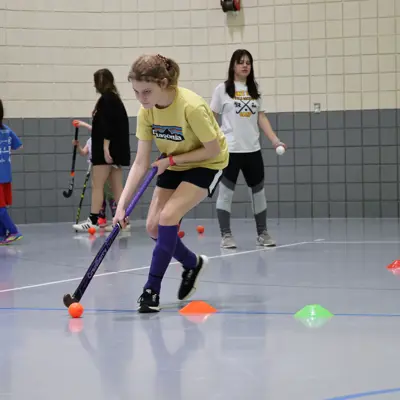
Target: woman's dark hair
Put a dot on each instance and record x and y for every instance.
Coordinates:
(104, 81)
(1, 114)
(252, 86)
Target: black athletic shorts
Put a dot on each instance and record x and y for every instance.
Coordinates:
(205, 178)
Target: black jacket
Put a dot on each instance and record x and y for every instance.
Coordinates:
(110, 121)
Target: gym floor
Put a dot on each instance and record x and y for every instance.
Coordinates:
(253, 347)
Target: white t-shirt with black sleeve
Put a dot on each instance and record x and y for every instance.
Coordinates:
(239, 118)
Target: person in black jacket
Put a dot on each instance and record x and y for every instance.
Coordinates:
(110, 145)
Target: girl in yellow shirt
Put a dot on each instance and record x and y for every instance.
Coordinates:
(184, 128)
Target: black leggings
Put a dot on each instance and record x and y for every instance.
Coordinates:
(252, 166)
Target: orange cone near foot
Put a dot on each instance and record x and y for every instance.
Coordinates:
(394, 265)
(198, 307)
(197, 311)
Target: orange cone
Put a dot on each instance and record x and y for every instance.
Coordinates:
(394, 265)
(197, 311)
(198, 307)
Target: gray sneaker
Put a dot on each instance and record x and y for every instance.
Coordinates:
(265, 240)
(228, 242)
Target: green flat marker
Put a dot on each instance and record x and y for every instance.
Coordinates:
(313, 316)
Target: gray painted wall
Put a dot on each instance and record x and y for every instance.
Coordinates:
(338, 164)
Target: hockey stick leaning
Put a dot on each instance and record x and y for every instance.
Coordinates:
(80, 290)
(68, 193)
(78, 214)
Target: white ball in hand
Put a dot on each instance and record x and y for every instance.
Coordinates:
(280, 150)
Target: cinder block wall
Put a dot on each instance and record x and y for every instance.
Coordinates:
(340, 54)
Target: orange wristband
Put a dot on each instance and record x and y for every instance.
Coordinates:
(171, 161)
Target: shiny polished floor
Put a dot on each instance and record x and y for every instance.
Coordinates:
(253, 347)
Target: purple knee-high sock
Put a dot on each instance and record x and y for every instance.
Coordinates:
(182, 254)
(162, 254)
(186, 257)
(7, 221)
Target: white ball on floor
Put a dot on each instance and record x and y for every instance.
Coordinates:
(280, 150)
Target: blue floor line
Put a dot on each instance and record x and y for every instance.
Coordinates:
(234, 312)
(227, 312)
(365, 394)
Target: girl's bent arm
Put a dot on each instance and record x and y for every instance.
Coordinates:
(85, 125)
(137, 172)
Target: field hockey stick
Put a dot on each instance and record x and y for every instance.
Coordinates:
(68, 193)
(78, 214)
(80, 290)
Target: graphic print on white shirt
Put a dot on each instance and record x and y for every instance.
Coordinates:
(245, 106)
(239, 118)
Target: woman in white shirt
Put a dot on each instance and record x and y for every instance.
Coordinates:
(239, 103)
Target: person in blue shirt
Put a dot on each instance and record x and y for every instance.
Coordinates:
(8, 141)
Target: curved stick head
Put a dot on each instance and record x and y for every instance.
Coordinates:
(68, 300)
(67, 194)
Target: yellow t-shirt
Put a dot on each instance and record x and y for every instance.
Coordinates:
(183, 127)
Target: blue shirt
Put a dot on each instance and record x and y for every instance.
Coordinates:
(8, 141)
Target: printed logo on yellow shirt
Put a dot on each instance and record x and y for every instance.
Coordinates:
(172, 133)
(244, 104)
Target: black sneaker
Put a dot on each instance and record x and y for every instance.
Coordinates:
(190, 277)
(149, 302)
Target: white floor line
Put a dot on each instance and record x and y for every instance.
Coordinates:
(148, 266)
(359, 242)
